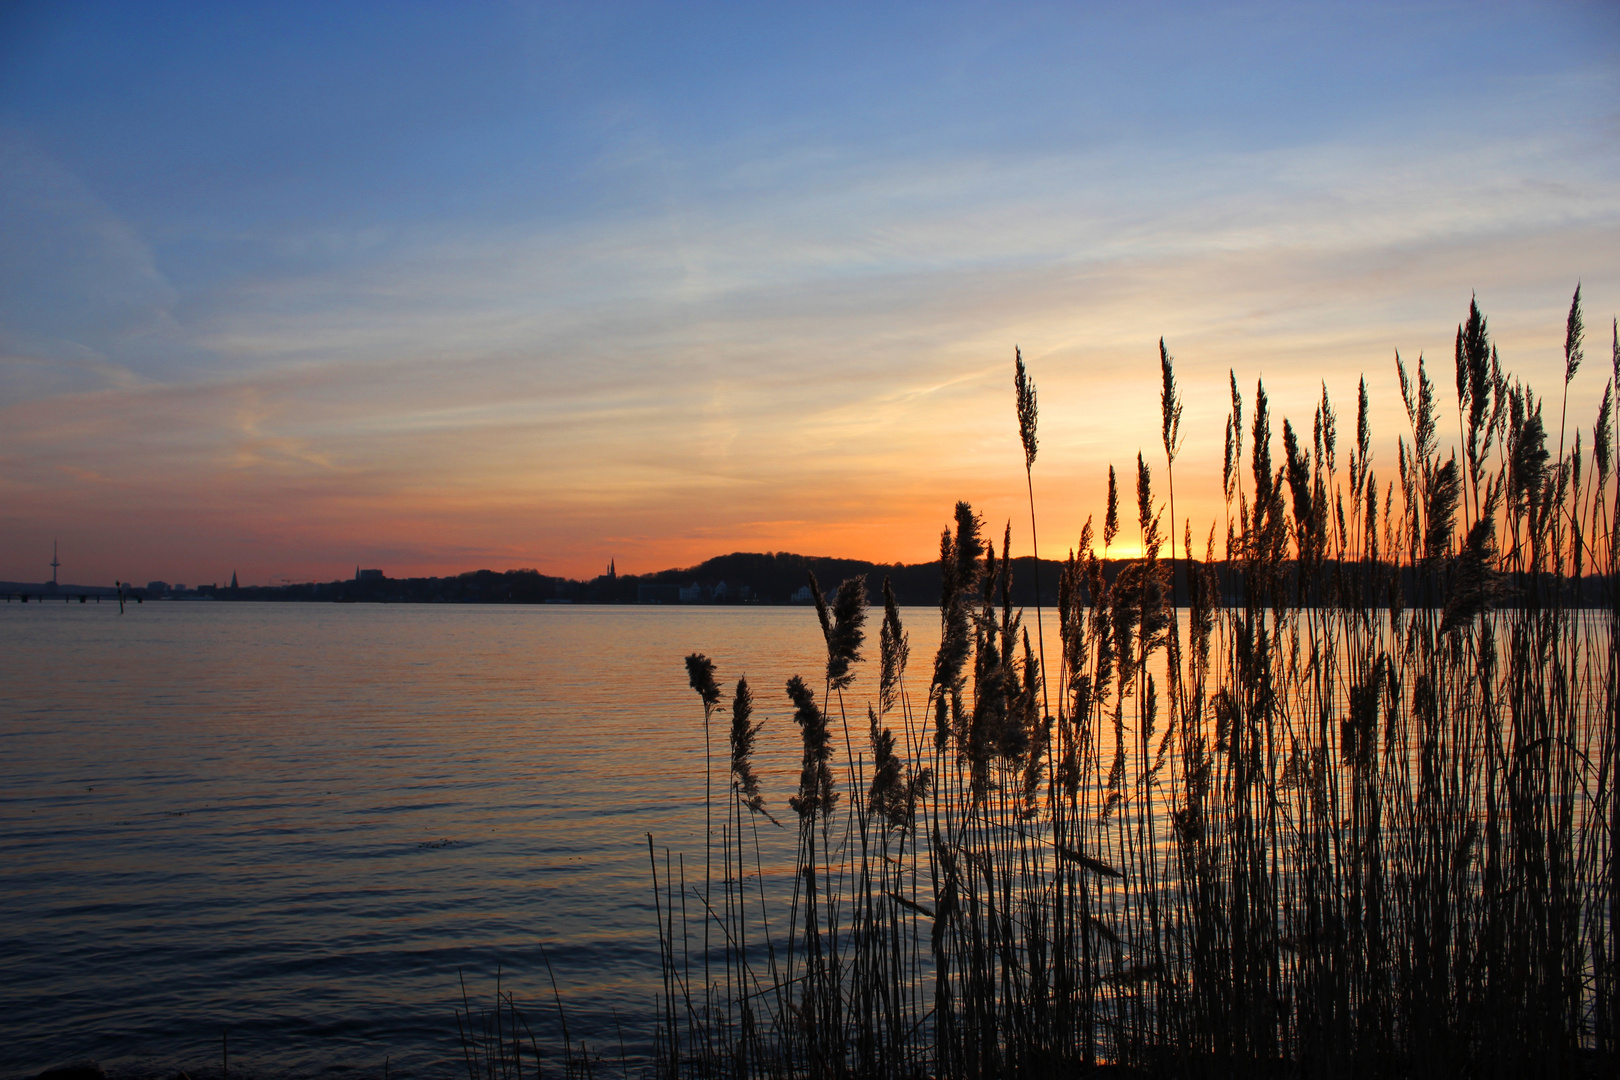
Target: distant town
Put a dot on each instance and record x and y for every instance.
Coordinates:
(739, 578)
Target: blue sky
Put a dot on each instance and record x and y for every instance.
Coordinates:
(442, 286)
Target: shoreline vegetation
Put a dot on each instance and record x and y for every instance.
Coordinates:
(1352, 814)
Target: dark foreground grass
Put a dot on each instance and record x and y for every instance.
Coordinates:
(1350, 813)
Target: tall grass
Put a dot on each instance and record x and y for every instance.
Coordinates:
(1349, 812)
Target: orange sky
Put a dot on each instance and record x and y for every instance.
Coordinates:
(260, 478)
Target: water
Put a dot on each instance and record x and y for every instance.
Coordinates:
(299, 822)
(302, 823)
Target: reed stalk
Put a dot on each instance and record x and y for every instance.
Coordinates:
(1350, 812)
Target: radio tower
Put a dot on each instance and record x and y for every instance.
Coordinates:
(54, 562)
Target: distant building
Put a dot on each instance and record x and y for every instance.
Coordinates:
(157, 588)
(720, 593)
(367, 575)
(692, 594)
(802, 596)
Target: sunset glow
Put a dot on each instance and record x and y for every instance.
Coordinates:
(439, 288)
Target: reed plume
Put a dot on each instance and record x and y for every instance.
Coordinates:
(959, 569)
(893, 796)
(894, 650)
(743, 733)
(1111, 513)
(700, 673)
(842, 625)
(817, 791)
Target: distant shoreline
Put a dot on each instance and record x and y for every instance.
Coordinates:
(765, 579)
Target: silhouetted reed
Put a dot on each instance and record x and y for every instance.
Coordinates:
(493, 1040)
(1349, 812)
(1028, 418)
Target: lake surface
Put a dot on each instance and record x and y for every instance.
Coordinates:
(300, 822)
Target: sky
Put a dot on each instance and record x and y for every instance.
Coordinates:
(291, 288)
